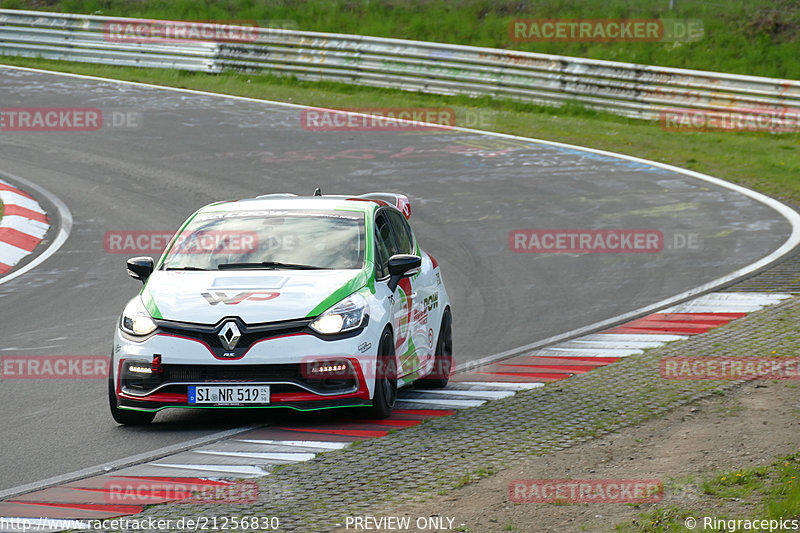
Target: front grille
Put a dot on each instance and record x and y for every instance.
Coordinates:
(290, 373)
(250, 333)
(230, 372)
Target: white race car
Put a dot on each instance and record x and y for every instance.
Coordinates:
(283, 301)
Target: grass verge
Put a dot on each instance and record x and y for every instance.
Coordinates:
(769, 493)
(766, 162)
(758, 37)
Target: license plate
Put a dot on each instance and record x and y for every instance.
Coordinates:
(229, 395)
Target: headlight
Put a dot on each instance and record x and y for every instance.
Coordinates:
(347, 315)
(136, 320)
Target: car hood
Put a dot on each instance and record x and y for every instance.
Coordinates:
(255, 297)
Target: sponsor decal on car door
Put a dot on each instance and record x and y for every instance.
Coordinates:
(403, 326)
(425, 323)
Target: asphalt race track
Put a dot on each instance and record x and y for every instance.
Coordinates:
(468, 192)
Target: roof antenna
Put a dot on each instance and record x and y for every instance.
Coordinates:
(317, 192)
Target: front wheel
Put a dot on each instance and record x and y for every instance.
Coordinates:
(385, 379)
(124, 416)
(443, 359)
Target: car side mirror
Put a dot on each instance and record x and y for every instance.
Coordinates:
(402, 266)
(140, 268)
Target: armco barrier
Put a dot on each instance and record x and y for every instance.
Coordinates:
(639, 91)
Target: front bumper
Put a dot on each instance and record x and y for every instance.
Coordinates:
(156, 373)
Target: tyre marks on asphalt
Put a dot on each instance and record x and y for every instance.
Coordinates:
(255, 453)
(22, 227)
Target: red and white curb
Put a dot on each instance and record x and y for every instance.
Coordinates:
(22, 227)
(583, 354)
(254, 453)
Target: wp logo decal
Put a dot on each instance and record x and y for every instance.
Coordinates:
(222, 297)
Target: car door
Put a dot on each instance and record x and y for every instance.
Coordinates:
(418, 292)
(402, 300)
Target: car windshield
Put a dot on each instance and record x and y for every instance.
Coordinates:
(270, 240)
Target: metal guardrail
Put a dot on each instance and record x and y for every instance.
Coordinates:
(639, 91)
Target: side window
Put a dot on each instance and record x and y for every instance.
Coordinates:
(384, 246)
(402, 232)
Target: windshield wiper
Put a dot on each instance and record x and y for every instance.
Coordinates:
(270, 265)
(185, 268)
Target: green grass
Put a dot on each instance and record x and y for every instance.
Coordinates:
(471, 477)
(659, 520)
(759, 37)
(767, 162)
(767, 493)
(740, 484)
(755, 37)
(783, 497)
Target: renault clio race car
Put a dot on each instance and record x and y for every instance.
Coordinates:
(283, 301)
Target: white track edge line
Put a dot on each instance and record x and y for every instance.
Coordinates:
(133, 460)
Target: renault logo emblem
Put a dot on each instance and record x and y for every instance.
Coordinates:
(229, 335)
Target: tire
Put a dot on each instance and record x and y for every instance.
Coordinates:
(443, 359)
(124, 416)
(385, 379)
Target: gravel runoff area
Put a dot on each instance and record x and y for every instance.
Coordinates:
(421, 462)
